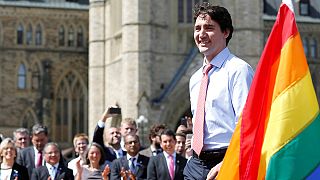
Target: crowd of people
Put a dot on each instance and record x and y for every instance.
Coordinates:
(113, 153)
(218, 91)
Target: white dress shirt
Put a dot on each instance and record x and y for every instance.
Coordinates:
(229, 83)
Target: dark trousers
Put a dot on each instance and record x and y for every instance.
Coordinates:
(197, 169)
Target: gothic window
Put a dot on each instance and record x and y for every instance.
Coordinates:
(20, 34)
(80, 37)
(36, 80)
(189, 11)
(185, 10)
(61, 36)
(22, 76)
(180, 11)
(71, 37)
(71, 108)
(304, 7)
(38, 35)
(305, 42)
(29, 34)
(313, 48)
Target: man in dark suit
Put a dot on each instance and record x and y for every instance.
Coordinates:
(52, 168)
(112, 137)
(168, 164)
(32, 156)
(133, 161)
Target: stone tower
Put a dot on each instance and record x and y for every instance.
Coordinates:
(141, 52)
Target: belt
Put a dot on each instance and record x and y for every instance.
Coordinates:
(211, 154)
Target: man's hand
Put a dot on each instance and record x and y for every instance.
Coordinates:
(214, 172)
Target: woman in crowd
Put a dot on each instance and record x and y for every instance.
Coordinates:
(95, 167)
(80, 142)
(9, 169)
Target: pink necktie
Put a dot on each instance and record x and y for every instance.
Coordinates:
(171, 167)
(197, 143)
(39, 162)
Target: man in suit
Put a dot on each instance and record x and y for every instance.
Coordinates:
(112, 137)
(168, 164)
(32, 156)
(154, 137)
(52, 169)
(133, 161)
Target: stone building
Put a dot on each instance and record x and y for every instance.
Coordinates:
(44, 66)
(141, 56)
(142, 53)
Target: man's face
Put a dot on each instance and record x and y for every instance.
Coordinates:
(132, 144)
(156, 141)
(181, 144)
(22, 140)
(39, 140)
(168, 143)
(127, 129)
(52, 155)
(81, 146)
(113, 136)
(208, 36)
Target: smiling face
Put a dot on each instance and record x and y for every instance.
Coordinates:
(94, 156)
(113, 136)
(168, 143)
(208, 36)
(81, 146)
(8, 152)
(52, 154)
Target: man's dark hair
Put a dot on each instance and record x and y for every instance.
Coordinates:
(38, 128)
(218, 14)
(156, 130)
(168, 132)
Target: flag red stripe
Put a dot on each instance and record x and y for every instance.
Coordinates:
(256, 111)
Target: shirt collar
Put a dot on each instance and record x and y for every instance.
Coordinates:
(36, 150)
(129, 157)
(219, 59)
(55, 165)
(167, 155)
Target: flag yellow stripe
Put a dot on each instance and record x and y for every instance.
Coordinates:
(294, 108)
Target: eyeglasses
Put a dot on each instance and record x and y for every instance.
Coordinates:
(130, 142)
(52, 153)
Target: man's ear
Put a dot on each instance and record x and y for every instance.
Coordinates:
(226, 33)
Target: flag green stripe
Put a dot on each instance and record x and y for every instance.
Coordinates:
(299, 157)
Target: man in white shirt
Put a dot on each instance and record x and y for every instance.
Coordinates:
(218, 91)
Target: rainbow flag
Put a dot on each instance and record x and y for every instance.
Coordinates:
(278, 134)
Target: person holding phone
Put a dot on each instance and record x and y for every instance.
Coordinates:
(112, 135)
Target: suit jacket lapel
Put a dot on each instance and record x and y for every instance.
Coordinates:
(32, 157)
(124, 162)
(139, 167)
(164, 162)
(177, 164)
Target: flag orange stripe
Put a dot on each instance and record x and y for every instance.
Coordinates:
(293, 65)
